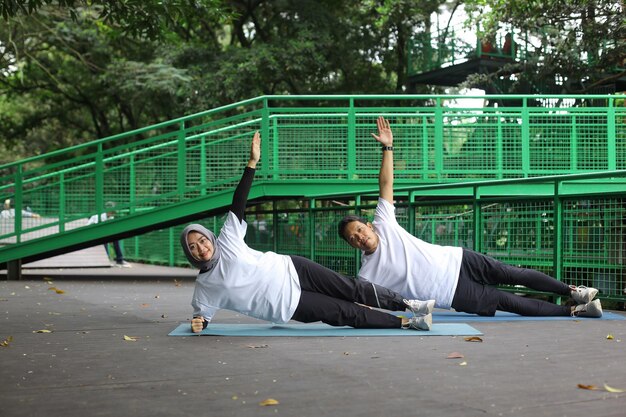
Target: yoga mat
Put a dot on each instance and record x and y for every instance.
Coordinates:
(453, 316)
(320, 330)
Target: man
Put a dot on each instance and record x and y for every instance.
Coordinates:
(9, 213)
(455, 277)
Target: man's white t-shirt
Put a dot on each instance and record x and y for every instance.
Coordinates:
(408, 265)
(264, 285)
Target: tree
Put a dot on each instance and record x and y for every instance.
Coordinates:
(75, 73)
(576, 45)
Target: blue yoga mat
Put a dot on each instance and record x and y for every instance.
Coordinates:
(320, 330)
(453, 316)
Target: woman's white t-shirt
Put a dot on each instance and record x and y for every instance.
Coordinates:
(408, 265)
(263, 285)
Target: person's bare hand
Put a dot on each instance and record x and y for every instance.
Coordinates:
(385, 136)
(196, 324)
(255, 149)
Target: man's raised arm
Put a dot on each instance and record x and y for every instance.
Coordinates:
(385, 177)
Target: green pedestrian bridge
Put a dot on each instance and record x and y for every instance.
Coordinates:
(536, 181)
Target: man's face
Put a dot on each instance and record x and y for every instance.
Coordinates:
(361, 236)
(200, 246)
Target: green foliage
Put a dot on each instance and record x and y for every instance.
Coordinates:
(75, 71)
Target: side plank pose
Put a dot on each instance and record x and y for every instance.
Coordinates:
(455, 277)
(279, 288)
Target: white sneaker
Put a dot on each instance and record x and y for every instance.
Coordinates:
(420, 322)
(123, 264)
(420, 308)
(582, 294)
(591, 309)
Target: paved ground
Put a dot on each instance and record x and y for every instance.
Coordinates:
(84, 367)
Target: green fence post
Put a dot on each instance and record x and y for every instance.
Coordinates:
(438, 138)
(266, 142)
(132, 194)
(99, 180)
(351, 141)
(558, 238)
(611, 135)
(17, 201)
(203, 168)
(62, 202)
(573, 149)
(181, 162)
(424, 147)
(478, 227)
(171, 245)
(525, 138)
(499, 148)
(311, 229)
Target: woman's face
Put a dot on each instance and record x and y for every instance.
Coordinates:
(200, 246)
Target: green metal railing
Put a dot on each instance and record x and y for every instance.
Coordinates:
(571, 227)
(313, 145)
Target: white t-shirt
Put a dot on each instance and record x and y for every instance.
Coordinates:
(413, 268)
(264, 285)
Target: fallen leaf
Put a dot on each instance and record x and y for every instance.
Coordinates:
(611, 389)
(610, 336)
(130, 338)
(177, 283)
(589, 387)
(6, 342)
(473, 339)
(257, 346)
(42, 331)
(269, 401)
(455, 355)
(463, 363)
(55, 289)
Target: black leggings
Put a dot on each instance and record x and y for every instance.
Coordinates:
(475, 292)
(331, 298)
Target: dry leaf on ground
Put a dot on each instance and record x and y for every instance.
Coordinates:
(6, 342)
(588, 387)
(42, 331)
(611, 389)
(455, 355)
(473, 339)
(269, 401)
(130, 338)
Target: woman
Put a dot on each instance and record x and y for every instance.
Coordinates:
(279, 288)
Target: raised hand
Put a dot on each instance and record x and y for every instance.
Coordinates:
(385, 136)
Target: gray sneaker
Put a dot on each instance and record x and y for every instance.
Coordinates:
(420, 308)
(591, 309)
(582, 294)
(420, 322)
